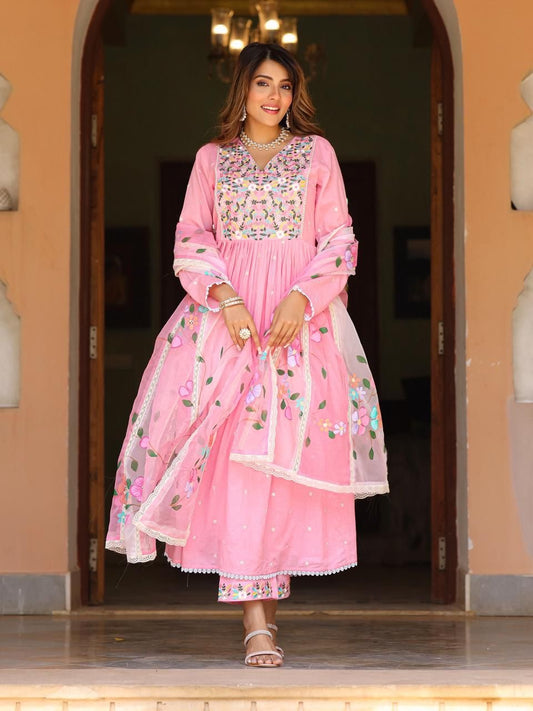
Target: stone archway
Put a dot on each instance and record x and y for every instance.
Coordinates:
(89, 16)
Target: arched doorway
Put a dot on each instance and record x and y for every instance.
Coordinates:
(443, 464)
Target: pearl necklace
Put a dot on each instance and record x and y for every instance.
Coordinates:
(284, 134)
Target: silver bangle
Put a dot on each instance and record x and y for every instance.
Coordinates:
(233, 301)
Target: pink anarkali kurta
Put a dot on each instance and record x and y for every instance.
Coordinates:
(247, 464)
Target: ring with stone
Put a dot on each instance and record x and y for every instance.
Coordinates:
(245, 333)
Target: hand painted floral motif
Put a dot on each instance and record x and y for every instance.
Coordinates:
(293, 357)
(300, 402)
(268, 205)
(360, 420)
(137, 488)
(253, 393)
(188, 320)
(350, 256)
(317, 333)
(192, 321)
(339, 428)
(325, 424)
(286, 397)
(186, 389)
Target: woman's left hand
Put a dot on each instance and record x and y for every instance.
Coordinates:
(288, 320)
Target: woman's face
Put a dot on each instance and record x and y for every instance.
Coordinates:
(269, 94)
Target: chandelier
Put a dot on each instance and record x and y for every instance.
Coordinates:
(229, 35)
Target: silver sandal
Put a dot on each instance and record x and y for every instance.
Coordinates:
(271, 626)
(266, 652)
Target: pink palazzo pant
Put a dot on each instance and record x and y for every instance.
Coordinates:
(256, 530)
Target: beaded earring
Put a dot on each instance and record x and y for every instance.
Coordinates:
(287, 124)
(243, 117)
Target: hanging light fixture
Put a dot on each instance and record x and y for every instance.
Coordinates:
(230, 35)
(289, 34)
(220, 27)
(239, 34)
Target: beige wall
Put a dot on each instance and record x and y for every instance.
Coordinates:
(37, 466)
(36, 41)
(498, 255)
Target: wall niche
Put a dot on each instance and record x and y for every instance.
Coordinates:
(523, 343)
(9, 352)
(522, 153)
(9, 155)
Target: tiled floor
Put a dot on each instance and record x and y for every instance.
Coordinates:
(364, 640)
(120, 660)
(311, 642)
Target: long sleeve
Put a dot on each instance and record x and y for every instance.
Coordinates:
(327, 273)
(197, 260)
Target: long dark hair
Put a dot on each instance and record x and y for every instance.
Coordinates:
(302, 109)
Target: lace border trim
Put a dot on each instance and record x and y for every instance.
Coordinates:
(267, 576)
(358, 491)
(120, 547)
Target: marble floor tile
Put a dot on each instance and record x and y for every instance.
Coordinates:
(311, 642)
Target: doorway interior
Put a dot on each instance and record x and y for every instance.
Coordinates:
(380, 98)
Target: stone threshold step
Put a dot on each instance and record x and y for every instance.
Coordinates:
(215, 613)
(265, 690)
(268, 705)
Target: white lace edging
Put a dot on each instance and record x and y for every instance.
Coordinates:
(371, 490)
(196, 369)
(219, 281)
(267, 576)
(291, 475)
(120, 547)
(140, 526)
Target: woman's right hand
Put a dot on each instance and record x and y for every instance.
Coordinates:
(237, 317)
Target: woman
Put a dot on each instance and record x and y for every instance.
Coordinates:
(257, 419)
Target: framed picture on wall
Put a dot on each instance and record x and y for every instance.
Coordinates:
(412, 272)
(127, 277)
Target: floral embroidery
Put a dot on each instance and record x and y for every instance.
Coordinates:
(253, 590)
(268, 205)
(284, 590)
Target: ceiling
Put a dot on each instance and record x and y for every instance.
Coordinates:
(287, 7)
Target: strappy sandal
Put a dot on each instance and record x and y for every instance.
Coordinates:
(264, 653)
(271, 626)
